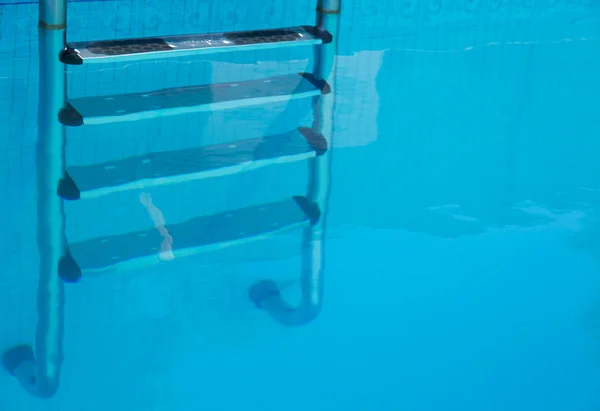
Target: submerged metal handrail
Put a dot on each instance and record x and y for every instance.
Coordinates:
(329, 6)
(266, 294)
(38, 370)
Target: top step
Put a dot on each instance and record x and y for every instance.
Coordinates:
(194, 44)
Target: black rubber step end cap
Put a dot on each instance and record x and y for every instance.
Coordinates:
(318, 83)
(14, 357)
(70, 56)
(310, 208)
(70, 117)
(325, 36)
(68, 269)
(262, 291)
(316, 140)
(67, 189)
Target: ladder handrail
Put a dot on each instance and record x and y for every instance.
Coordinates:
(53, 15)
(52, 244)
(329, 6)
(38, 371)
(266, 294)
(311, 278)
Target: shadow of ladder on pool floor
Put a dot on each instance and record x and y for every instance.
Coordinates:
(38, 369)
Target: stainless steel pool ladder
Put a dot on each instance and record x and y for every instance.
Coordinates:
(38, 369)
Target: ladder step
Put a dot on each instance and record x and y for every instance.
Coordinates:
(173, 101)
(177, 46)
(171, 167)
(135, 249)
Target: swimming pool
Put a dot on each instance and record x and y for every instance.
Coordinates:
(460, 255)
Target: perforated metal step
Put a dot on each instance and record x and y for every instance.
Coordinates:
(177, 46)
(132, 250)
(171, 167)
(174, 101)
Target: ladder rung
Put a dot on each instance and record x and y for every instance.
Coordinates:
(173, 101)
(170, 167)
(177, 46)
(135, 249)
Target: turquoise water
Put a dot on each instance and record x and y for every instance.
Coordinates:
(462, 250)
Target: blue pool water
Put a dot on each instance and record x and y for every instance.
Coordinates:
(462, 256)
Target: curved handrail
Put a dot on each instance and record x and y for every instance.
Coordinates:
(39, 371)
(266, 294)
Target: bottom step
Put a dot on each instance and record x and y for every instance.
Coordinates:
(137, 249)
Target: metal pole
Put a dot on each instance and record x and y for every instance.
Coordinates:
(329, 6)
(38, 370)
(266, 294)
(53, 15)
(51, 216)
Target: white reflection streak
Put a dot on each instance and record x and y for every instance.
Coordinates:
(166, 246)
(495, 43)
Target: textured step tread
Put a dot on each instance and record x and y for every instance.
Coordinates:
(176, 46)
(190, 237)
(170, 167)
(173, 101)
